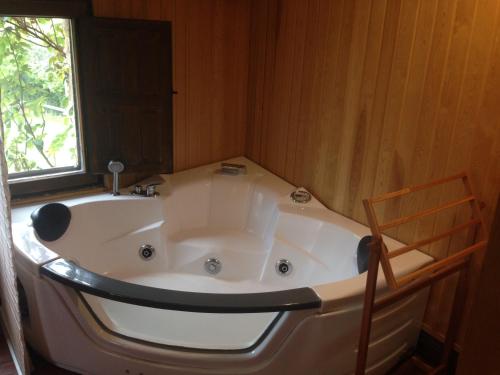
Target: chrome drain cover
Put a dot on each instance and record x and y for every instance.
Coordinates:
(213, 266)
(147, 252)
(284, 267)
(301, 196)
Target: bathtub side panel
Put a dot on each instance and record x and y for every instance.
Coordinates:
(330, 340)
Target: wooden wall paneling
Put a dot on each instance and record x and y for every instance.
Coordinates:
(258, 28)
(463, 122)
(314, 46)
(272, 13)
(381, 94)
(491, 179)
(179, 15)
(296, 90)
(482, 347)
(363, 117)
(351, 69)
(276, 129)
(412, 105)
(467, 125)
(443, 127)
(199, 94)
(389, 169)
(237, 38)
(211, 47)
(473, 117)
(221, 38)
(340, 51)
(414, 128)
(261, 70)
(325, 61)
(422, 160)
(488, 121)
(375, 116)
(451, 101)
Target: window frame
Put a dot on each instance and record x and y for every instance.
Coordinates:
(65, 178)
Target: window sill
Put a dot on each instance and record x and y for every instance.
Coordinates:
(24, 177)
(22, 201)
(34, 188)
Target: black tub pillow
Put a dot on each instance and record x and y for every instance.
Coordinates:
(363, 253)
(51, 221)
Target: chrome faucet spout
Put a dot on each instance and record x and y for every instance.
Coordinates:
(116, 167)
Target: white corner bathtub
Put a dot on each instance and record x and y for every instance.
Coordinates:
(95, 306)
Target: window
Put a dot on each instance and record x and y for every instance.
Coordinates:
(32, 33)
(77, 91)
(39, 111)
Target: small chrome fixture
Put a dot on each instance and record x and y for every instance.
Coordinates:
(116, 167)
(232, 169)
(148, 187)
(300, 196)
(145, 191)
(213, 266)
(284, 267)
(147, 252)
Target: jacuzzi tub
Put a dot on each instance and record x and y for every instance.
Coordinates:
(96, 305)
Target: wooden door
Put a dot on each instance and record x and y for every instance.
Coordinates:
(125, 76)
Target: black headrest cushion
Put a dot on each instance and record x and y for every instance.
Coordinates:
(51, 221)
(363, 253)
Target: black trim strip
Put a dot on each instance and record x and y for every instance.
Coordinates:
(76, 277)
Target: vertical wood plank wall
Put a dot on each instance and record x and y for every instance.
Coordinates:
(355, 98)
(482, 348)
(210, 59)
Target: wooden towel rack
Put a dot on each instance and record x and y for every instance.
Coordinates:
(408, 284)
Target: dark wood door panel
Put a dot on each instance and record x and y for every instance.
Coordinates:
(126, 84)
(144, 126)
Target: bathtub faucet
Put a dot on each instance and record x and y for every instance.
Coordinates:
(147, 187)
(145, 191)
(116, 167)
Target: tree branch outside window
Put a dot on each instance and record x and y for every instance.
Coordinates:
(37, 111)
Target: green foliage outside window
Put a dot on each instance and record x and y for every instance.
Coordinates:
(37, 111)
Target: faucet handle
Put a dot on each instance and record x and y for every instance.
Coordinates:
(137, 190)
(151, 190)
(145, 191)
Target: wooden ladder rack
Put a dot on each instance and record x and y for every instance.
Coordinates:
(408, 284)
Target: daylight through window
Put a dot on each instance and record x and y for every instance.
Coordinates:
(38, 113)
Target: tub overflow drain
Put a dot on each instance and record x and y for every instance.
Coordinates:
(284, 267)
(213, 266)
(146, 252)
(301, 196)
